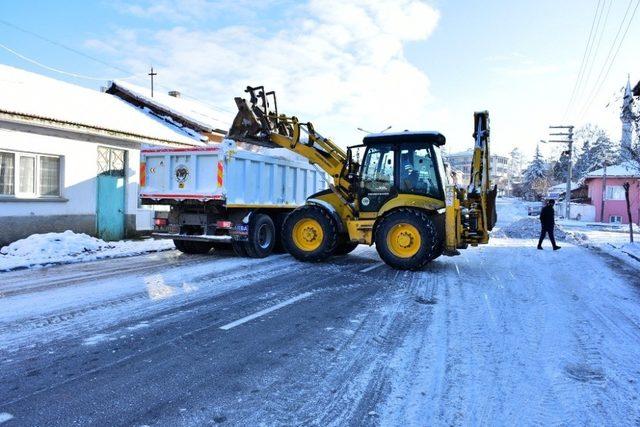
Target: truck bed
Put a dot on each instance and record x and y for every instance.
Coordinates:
(227, 175)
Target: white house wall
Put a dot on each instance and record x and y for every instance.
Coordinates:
(76, 208)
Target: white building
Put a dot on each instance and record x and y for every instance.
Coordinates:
(69, 158)
(499, 166)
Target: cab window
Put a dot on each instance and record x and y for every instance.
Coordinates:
(377, 169)
(418, 172)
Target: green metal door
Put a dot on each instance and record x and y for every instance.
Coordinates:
(110, 211)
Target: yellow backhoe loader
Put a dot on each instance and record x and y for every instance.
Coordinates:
(400, 196)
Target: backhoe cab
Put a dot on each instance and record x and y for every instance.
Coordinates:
(400, 196)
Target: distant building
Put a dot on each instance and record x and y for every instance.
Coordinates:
(69, 158)
(579, 192)
(626, 117)
(499, 167)
(615, 207)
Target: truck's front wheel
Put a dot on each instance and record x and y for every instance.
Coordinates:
(407, 239)
(310, 234)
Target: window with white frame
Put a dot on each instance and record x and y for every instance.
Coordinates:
(615, 192)
(7, 172)
(29, 174)
(615, 219)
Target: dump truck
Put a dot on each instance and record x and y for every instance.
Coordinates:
(399, 197)
(222, 196)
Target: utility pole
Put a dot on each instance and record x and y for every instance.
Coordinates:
(152, 74)
(604, 190)
(569, 142)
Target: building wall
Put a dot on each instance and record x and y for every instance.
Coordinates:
(615, 207)
(76, 208)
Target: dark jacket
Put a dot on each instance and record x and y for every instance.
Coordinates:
(547, 217)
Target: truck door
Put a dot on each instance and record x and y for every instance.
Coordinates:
(377, 178)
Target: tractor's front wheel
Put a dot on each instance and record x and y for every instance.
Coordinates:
(407, 239)
(310, 234)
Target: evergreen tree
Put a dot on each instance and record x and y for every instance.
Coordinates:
(536, 176)
(560, 170)
(597, 149)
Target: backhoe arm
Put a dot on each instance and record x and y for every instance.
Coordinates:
(257, 123)
(471, 212)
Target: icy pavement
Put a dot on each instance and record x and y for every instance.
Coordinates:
(69, 247)
(503, 334)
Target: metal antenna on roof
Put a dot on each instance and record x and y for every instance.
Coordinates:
(152, 74)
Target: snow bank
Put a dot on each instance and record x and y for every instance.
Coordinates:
(529, 228)
(67, 247)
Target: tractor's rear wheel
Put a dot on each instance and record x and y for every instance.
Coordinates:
(407, 239)
(310, 234)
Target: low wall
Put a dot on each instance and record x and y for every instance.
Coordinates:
(18, 227)
(582, 212)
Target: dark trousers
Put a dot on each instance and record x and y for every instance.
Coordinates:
(547, 231)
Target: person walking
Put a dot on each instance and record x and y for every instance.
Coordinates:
(547, 221)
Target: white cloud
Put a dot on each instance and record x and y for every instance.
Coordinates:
(339, 64)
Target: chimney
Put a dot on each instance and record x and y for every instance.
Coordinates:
(174, 93)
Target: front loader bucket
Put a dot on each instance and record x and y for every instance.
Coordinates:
(249, 128)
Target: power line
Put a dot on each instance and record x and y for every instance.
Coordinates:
(55, 43)
(70, 49)
(600, 37)
(56, 70)
(587, 50)
(600, 82)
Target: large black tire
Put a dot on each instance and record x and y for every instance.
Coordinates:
(192, 247)
(310, 234)
(345, 246)
(397, 242)
(240, 249)
(278, 220)
(262, 236)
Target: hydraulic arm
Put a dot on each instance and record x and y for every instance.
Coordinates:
(257, 123)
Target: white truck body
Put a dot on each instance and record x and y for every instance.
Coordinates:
(220, 195)
(235, 177)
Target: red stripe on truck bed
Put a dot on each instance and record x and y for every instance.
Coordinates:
(179, 150)
(182, 196)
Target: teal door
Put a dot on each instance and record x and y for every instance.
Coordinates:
(110, 211)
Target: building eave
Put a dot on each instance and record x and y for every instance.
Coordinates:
(159, 110)
(46, 125)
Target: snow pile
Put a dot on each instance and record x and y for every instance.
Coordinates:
(529, 228)
(67, 247)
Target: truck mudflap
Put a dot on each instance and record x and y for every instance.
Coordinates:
(239, 233)
(193, 238)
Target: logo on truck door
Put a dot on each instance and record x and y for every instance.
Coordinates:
(182, 173)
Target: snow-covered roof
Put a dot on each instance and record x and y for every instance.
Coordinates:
(35, 97)
(203, 116)
(562, 187)
(623, 170)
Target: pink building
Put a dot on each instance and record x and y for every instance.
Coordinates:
(615, 205)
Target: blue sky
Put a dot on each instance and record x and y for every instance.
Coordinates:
(370, 64)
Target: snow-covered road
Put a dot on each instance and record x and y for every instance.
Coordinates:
(501, 335)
